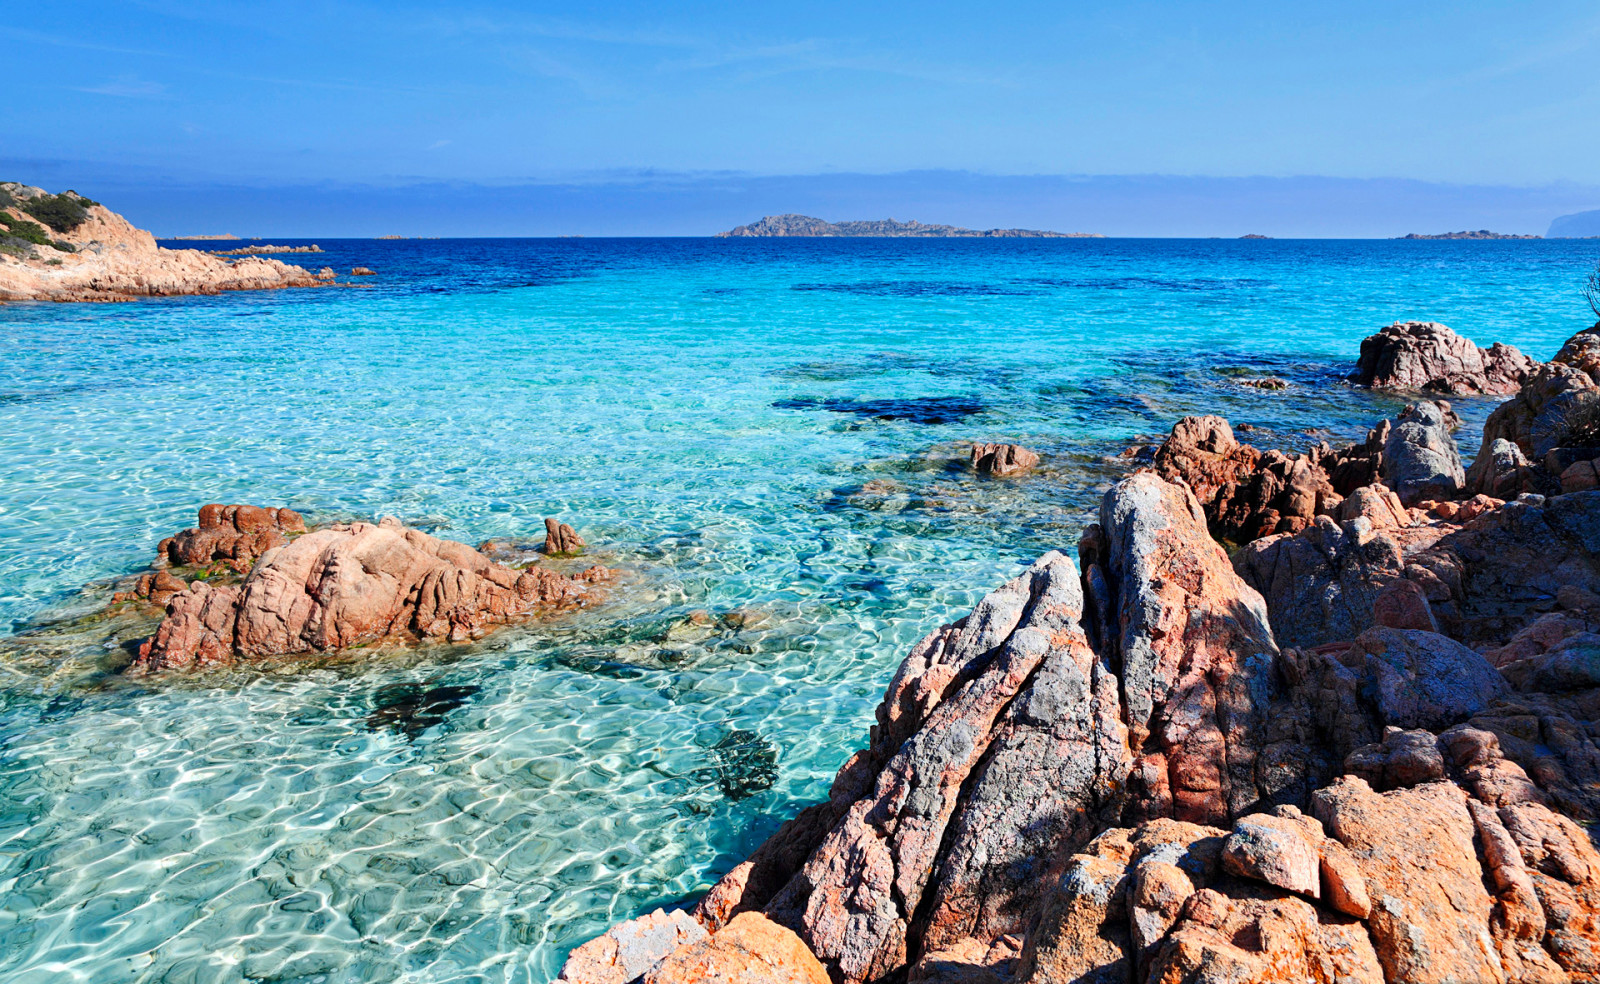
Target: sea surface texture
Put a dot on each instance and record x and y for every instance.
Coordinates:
(766, 437)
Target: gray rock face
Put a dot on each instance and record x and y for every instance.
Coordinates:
(1425, 355)
(1420, 460)
(1423, 679)
(1502, 471)
(1321, 585)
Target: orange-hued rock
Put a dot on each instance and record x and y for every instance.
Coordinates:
(348, 584)
(750, 949)
(111, 260)
(1245, 493)
(628, 950)
(238, 534)
(1003, 460)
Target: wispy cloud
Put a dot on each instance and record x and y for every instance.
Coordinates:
(128, 87)
(438, 144)
(39, 37)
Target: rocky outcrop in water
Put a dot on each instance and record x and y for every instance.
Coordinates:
(561, 540)
(353, 584)
(1425, 355)
(1003, 460)
(1114, 770)
(1246, 493)
(94, 254)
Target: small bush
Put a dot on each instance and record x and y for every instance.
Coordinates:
(30, 232)
(1591, 290)
(62, 213)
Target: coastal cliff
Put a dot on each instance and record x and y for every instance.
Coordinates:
(1361, 749)
(68, 248)
(805, 225)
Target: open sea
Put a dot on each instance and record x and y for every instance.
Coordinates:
(766, 436)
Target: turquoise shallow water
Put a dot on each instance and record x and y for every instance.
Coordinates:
(739, 425)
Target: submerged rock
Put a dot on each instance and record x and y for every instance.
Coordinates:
(746, 763)
(353, 584)
(1425, 355)
(412, 708)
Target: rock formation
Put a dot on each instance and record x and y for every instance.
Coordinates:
(1003, 460)
(237, 534)
(1246, 493)
(341, 586)
(561, 539)
(1425, 355)
(98, 255)
(1111, 771)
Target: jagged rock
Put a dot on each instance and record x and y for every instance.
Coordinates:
(1425, 355)
(238, 534)
(348, 584)
(1097, 774)
(629, 950)
(561, 539)
(1245, 493)
(1003, 460)
(750, 949)
(1502, 472)
(1558, 406)
(1419, 457)
(1321, 585)
(1572, 664)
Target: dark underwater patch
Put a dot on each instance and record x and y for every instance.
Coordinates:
(744, 764)
(919, 288)
(917, 410)
(412, 708)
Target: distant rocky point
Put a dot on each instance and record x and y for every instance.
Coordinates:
(1254, 235)
(258, 250)
(1579, 225)
(1480, 234)
(221, 237)
(805, 225)
(67, 247)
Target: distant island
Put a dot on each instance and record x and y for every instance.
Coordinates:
(1480, 234)
(1254, 235)
(805, 225)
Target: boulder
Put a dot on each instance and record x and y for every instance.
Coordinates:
(750, 949)
(629, 950)
(1003, 460)
(1419, 457)
(349, 584)
(1272, 850)
(1425, 355)
(237, 534)
(1503, 472)
(1423, 679)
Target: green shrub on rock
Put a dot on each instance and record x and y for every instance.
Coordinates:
(62, 213)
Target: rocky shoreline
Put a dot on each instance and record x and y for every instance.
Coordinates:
(90, 253)
(1363, 747)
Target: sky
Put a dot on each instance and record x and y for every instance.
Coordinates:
(634, 118)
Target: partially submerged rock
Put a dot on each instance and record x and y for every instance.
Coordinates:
(1246, 493)
(1425, 355)
(353, 584)
(1003, 460)
(561, 540)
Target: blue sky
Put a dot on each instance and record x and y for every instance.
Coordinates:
(233, 103)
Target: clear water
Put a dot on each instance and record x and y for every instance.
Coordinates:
(739, 425)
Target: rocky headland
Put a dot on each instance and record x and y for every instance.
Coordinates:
(68, 248)
(261, 250)
(1362, 747)
(805, 225)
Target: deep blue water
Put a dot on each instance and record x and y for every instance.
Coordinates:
(767, 425)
